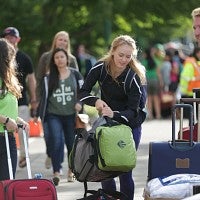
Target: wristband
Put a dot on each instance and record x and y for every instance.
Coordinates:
(7, 120)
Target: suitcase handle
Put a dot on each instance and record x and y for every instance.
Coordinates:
(184, 106)
(195, 90)
(190, 100)
(26, 153)
(28, 163)
(195, 101)
(196, 107)
(8, 151)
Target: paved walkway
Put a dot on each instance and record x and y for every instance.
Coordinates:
(155, 130)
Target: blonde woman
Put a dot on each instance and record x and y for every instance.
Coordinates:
(123, 95)
(61, 40)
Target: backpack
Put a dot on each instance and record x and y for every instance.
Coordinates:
(115, 147)
(88, 158)
(127, 86)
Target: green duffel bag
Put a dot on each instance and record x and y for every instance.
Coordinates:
(115, 147)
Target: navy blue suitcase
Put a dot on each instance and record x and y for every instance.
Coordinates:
(175, 156)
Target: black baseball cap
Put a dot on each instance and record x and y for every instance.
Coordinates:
(10, 31)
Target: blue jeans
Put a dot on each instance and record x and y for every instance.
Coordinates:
(126, 181)
(60, 130)
(4, 172)
(48, 142)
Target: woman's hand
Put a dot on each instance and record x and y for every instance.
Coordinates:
(107, 111)
(78, 107)
(100, 104)
(25, 125)
(11, 125)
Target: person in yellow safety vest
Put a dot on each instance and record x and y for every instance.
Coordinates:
(190, 75)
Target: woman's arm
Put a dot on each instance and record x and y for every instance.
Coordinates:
(84, 94)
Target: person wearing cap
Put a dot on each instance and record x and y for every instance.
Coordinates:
(26, 78)
(196, 24)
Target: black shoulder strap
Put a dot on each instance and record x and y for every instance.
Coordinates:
(103, 74)
(128, 80)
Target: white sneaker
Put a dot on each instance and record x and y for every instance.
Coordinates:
(70, 176)
(61, 172)
(48, 163)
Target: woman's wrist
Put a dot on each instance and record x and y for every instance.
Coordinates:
(7, 120)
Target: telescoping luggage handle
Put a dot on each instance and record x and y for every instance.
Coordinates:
(184, 106)
(196, 104)
(8, 154)
(26, 153)
(195, 91)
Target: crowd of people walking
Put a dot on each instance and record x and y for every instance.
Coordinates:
(62, 82)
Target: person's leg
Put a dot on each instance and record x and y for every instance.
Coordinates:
(127, 185)
(24, 113)
(137, 135)
(48, 163)
(62, 155)
(69, 132)
(156, 99)
(13, 153)
(4, 172)
(69, 135)
(4, 162)
(109, 185)
(149, 107)
(46, 138)
(156, 102)
(150, 91)
(56, 139)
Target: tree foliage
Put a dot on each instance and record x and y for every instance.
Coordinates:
(96, 23)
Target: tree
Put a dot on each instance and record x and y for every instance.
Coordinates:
(96, 23)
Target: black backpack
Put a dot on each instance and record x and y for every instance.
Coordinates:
(104, 194)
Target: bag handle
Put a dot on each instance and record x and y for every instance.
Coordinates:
(110, 122)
